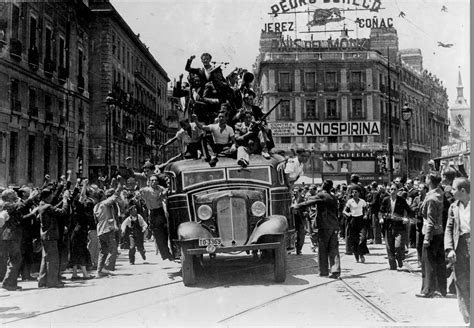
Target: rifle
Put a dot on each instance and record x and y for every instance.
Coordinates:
(258, 124)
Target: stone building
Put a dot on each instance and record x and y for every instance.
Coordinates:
(460, 117)
(336, 95)
(130, 95)
(44, 99)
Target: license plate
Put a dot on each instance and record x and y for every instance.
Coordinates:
(210, 241)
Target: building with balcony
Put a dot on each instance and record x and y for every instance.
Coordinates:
(129, 102)
(336, 96)
(44, 101)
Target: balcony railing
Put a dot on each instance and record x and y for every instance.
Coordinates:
(33, 58)
(15, 49)
(311, 117)
(49, 116)
(49, 66)
(80, 83)
(33, 111)
(356, 86)
(16, 106)
(333, 116)
(284, 87)
(358, 116)
(331, 86)
(62, 74)
(309, 87)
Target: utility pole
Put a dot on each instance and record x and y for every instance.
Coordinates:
(390, 140)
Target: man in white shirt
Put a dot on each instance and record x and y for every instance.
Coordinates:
(189, 139)
(457, 242)
(294, 166)
(223, 138)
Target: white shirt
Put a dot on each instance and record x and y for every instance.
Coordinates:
(464, 218)
(294, 168)
(356, 208)
(221, 136)
(128, 223)
(392, 204)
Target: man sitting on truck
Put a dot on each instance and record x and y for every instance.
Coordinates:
(222, 141)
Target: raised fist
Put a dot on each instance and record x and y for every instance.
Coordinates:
(192, 57)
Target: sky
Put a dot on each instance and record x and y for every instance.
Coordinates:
(230, 31)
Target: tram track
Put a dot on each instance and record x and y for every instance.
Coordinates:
(145, 289)
(378, 310)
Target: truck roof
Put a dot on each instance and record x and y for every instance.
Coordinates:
(199, 164)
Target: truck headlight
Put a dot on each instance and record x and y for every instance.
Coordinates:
(204, 212)
(258, 208)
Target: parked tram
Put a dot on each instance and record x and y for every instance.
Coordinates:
(229, 209)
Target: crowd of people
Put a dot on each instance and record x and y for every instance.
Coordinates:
(431, 213)
(222, 118)
(81, 226)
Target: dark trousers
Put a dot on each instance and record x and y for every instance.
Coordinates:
(433, 267)
(419, 240)
(3, 259)
(27, 258)
(376, 229)
(136, 243)
(159, 229)
(358, 236)
(49, 270)
(107, 251)
(395, 240)
(328, 251)
(11, 252)
(462, 275)
(300, 231)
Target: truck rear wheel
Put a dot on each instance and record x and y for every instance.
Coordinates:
(280, 260)
(187, 265)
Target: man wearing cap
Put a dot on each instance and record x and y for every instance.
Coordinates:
(154, 197)
(49, 216)
(105, 214)
(294, 166)
(10, 236)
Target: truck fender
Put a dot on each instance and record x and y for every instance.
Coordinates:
(273, 225)
(192, 230)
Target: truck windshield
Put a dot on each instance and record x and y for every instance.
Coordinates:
(197, 177)
(258, 174)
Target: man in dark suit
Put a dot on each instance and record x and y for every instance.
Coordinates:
(11, 234)
(49, 217)
(328, 228)
(393, 218)
(433, 266)
(457, 242)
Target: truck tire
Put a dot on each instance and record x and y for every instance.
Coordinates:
(187, 265)
(280, 260)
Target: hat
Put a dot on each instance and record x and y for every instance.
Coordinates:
(45, 193)
(128, 158)
(300, 150)
(148, 165)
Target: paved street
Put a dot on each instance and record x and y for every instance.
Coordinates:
(232, 294)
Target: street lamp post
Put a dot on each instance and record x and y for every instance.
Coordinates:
(152, 128)
(110, 101)
(406, 116)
